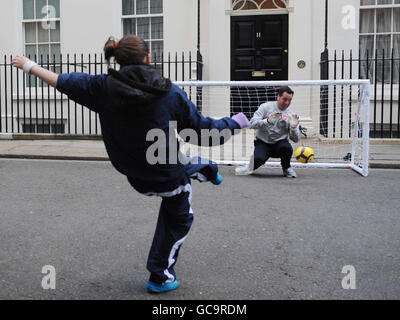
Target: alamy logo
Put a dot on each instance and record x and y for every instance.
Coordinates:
(48, 21)
(49, 280)
(349, 281)
(170, 147)
(349, 18)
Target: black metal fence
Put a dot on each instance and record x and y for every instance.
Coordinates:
(383, 70)
(28, 105)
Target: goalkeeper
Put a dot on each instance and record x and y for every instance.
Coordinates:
(276, 124)
(131, 102)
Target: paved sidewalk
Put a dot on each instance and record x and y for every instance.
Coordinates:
(383, 153)
(54, 149)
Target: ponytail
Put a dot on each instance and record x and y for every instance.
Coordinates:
(130, 50)
(109, 49)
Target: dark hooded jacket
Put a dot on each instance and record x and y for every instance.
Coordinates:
(130, 103)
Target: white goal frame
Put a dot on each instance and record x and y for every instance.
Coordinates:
(362, 115)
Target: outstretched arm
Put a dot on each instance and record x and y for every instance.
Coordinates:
(85, 89)
(30, 67)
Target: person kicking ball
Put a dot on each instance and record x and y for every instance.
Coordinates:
(131, 102)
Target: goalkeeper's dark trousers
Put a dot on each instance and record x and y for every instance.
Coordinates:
(263, 151)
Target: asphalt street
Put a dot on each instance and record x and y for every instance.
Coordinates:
(253, 238)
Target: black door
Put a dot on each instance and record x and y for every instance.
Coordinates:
(259, 48)
(259, 52)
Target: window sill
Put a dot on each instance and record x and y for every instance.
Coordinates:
(33, 96)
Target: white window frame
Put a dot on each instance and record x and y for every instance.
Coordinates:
(375, 34)
(41, 20)
(258, 6)
(147, 15)
(37, 43)
(42, 122)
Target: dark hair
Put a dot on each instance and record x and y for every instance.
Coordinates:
(129, 50)
(284, 89)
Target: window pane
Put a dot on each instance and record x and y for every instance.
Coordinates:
(44, 50)
(128, 7)
(143, 28)
(367, 21)
(367, 46)
(383, 20)
(30, 32)
(367, 2)
(396, 53)
(55, 33)
(245, 5)
(29, 9)
(366, 53)
(142, 6)
(129, 26)
(383, 71)
(396, 17)
(156, 50)
(55, 50)
(383, 46)
(43, 128)
(27, 128)
(56, 5)
(43, 33)
(30, 51)
(156, 6)
(59, 128)
(385, 1)
(157, 28)
(41, 5)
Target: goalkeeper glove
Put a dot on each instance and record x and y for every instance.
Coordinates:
(293, 121)
(272, 118)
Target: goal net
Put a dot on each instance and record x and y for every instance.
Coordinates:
(334, 116)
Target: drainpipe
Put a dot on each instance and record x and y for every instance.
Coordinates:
(199, 56)
(324, 76)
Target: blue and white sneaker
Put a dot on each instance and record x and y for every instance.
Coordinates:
(217, 180)
(161, 288)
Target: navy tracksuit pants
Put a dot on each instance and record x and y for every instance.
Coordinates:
(174, 221)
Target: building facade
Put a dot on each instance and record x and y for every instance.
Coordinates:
(238, 39)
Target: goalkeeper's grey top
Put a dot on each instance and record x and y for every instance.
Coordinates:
(279, 130)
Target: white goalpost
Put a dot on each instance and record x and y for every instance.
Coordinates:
(333, 113)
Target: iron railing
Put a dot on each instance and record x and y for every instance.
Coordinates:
(383, 69)
(28, 105)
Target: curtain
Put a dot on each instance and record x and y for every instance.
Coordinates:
(29, 9)
(128, 7)
(156, 6)
(30, 32)
(396, 43)
(157, 28)
(129, 26)
(56, 5)
(367, 26)
(40, 4)
(377, 38)
(143, 28)
(142, 7)
(396, 54)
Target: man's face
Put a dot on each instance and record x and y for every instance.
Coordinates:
(284, 101)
